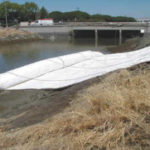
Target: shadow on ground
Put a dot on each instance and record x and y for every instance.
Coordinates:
(27, 107)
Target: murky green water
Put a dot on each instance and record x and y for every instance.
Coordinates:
(19, 54)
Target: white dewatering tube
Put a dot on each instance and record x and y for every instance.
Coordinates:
(67, 70)
(37, 69)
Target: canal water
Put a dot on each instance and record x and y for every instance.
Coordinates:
(16, 55)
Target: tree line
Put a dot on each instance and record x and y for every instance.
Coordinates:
(30, 11)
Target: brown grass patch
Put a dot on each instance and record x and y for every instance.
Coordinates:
(112, 114)
(10, 32)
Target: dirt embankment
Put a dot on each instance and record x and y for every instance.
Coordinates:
(16, 35)
(109, 112)
(132, 44)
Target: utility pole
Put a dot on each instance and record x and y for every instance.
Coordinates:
(6, 17)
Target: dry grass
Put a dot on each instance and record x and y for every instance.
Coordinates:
(10, 32)
(112, 114)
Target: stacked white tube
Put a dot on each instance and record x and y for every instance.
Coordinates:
(71, 69)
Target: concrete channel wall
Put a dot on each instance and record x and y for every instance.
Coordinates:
(49, 31)
(68, 29)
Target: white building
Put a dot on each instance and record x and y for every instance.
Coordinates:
(144, 20)
(43, 22)
(24, 23)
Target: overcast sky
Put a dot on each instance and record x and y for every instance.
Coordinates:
(135, 8)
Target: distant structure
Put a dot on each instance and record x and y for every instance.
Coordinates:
(144, 20)
(39, 22)
(25, 23)
(43, 22)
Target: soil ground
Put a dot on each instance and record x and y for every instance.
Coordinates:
(23, 108)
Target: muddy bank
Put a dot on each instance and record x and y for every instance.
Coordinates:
(28, 107)
(23, 109)
(131, 44)
(11, 35)
(26, 116)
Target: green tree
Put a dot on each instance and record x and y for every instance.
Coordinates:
(76, 16)
(43, 13)
(13, 11)
(30, 11)
(69, 16)
(56, 15)
(97, 17)
(123, 19)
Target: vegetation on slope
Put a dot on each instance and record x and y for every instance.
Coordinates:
(10, 34)
(113, 113)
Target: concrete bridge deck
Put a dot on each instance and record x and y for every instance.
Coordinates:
(68, 29)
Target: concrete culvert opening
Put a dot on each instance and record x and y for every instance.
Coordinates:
(108, 37)
(84, 34)
(108, 33)
(131, 34)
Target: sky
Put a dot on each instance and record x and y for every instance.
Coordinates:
(133, 8)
